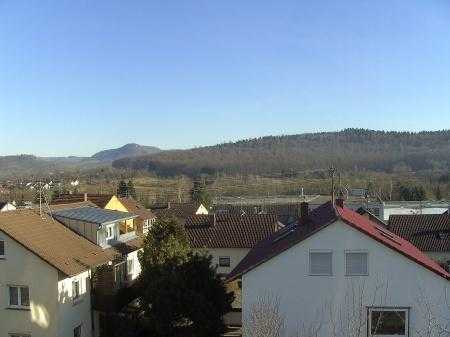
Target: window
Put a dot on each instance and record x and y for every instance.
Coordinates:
(110, 232)
(2, 249)
(356, 264)
(17, 334)
(130, 267)
(77, 331)
(75, 289)
(224, 261)
(19, 297)
(386, 322)
(320, 263)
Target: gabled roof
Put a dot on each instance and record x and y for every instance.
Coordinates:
(101, 200)
(93, 215)
(229, 230)
(51, 241)
(177, 210)
(320, 218)
(428, 232)
(134, 207)
(59, 207)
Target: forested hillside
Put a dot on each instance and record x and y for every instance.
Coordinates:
(350, 149)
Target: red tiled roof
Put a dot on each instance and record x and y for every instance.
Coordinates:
(428, 232)
(101, 200)
(177, 210)
(320, 218)
(229, 231)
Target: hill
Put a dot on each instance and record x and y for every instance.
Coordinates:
(128, 150)
(350, 149)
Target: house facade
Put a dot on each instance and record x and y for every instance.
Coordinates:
(45, 277)
(7, 206)
(339, 274)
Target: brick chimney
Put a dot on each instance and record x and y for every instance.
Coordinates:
(339, 202)
(304, 209)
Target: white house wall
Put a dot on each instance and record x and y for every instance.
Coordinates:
(235, 255)
(73, 313)
(21, 267)
(303, 298)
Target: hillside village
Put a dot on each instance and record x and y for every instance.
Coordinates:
(65, 265)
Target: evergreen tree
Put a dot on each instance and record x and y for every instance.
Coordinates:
(180, 292)
(122, 190)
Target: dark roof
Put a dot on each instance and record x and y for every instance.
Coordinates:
(59, 207)
(135, 207)
(51, 241)
(93, 215)
(320, 218)
(229, 231)
(101, 200)
(428, 232)
(285, 212)
(177, 210)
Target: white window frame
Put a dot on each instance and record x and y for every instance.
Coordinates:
(19, 297)
(369, 320)
(76, 297)
(3, 256)
(130, 266)
(357, 252)
(327, 251)
(108, 227)
(229, 261)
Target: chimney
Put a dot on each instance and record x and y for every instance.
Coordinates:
(340, 202)
(304, 209)
(168, 205)
(85, 197)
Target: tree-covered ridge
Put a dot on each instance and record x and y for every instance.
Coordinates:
(350, 149)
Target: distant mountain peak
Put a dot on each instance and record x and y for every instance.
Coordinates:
(127, 150)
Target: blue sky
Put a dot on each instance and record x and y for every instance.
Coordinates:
(80, 76)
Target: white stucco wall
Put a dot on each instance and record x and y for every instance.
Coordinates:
(235, 254)
(303, 298)
(8, 207)
(52, 311)
(72, 312)
(21, 267)
(136, 265)
(202, 210)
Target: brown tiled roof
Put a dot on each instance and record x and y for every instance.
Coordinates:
(428, 232)
(228, 230)
(59, 207)
(320, 218)
(101, 200)
(135, 207)
(52, 241)
(177, 210)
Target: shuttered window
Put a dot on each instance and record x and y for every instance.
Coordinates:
(321, 263)
(356, 264)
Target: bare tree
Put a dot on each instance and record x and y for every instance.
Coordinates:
(264, 319)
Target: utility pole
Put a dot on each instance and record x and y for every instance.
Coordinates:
(332, 171)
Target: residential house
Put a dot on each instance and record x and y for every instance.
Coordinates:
(114, 232)
(179, 211)
(101, 200)
(428, 232)
(228, 237)
(145, 217)
(6, 206)
(336, 273)
(45, 277)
